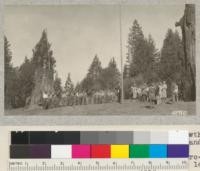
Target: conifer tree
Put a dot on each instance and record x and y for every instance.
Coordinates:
(110, 76)
(91, 83)
(25, 81)
(69, 86)
(171, 56)
(57, 87)
(9, 76)
(172, 60)
(95, 69)
(141, 53)
(44, 69)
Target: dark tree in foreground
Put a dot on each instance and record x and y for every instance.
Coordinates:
(187, 24)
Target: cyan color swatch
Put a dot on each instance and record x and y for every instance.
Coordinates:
(158, 151)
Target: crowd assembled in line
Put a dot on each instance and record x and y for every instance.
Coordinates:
(79, 98)
(154, 93)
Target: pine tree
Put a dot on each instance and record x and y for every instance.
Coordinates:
(42, 49)
(7, 54)
(78, 87)
(26, 81)
(57, 87)
(141, 55)
(135, 47)
(95, 69)
(110, 76)
(44, 66)
(69, 86)
(134, 36)
(150, 57)
(43, 55)
(91, 83)
(171, 56)
(172, 59)
(9, 77)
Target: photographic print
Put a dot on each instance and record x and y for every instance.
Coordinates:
(99, 59)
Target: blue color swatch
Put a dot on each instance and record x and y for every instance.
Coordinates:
(158, 151)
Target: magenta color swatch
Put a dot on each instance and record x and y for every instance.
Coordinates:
(80, 151)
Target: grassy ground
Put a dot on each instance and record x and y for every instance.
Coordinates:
(129, 107)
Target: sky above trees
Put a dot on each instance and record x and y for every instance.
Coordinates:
(77, 33)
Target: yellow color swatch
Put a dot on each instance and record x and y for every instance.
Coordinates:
(119, 151)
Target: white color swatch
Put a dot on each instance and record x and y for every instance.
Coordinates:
(61, 151)
(178, 137)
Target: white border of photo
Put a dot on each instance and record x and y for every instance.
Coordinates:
(175, 118)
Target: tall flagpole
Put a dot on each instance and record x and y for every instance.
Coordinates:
(121, 54)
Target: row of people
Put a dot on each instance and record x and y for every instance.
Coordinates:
(79, 98)
(154, 92)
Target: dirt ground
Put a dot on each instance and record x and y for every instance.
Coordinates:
(128, 107)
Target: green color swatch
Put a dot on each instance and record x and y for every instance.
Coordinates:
(139, 151)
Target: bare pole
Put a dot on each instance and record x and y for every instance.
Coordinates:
(121, 54)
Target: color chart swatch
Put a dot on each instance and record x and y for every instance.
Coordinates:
(99, 144)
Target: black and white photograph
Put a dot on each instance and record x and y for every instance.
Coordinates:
(100, 59)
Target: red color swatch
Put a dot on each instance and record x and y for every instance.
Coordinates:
(100, 151)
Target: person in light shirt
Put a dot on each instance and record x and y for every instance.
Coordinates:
(45, 98)
(45, 95)
(134, 92)
(175, 93)
(159, 94)
(164, 91)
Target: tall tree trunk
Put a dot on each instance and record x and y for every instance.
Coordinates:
(187, 24)
(43, 80)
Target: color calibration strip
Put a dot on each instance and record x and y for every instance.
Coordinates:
(99, 144)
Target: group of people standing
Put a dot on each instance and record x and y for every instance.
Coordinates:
(155, 93)
(78, 98)
(82, 98)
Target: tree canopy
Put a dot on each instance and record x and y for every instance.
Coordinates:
(10, 76)
(142, 52)
(99, 78)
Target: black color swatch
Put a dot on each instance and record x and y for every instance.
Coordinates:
(51, 137)
(19, 137)
(19, 151)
